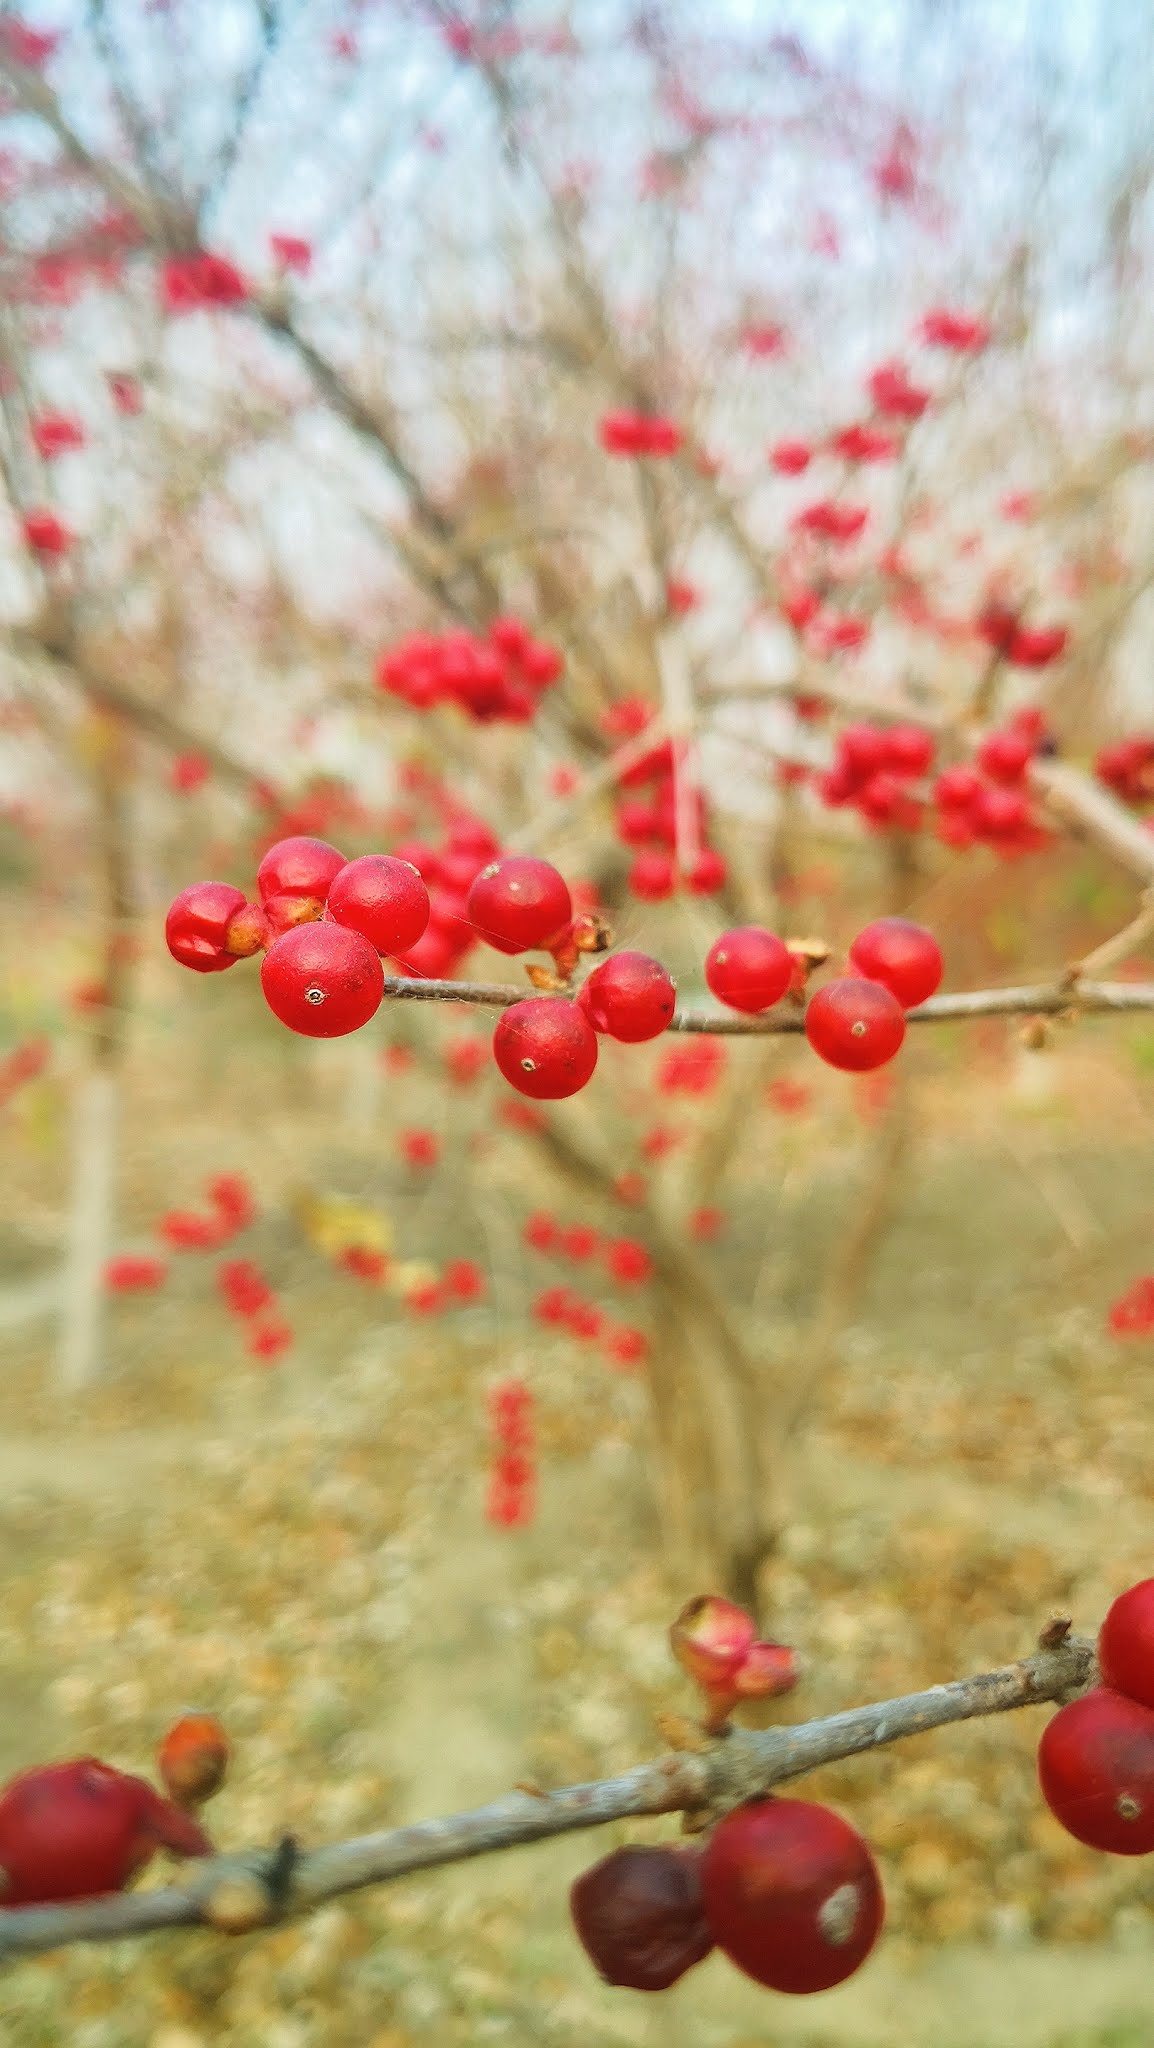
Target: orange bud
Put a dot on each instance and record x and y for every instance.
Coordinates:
(193, 1758)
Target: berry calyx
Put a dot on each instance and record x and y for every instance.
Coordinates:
(855, 1025)
(639, 1916)
(382, 898)
(1126, 1644)
(1096, 1771)
(630, 997)
(196, 930)
(77, 1830)
(792, 1894)
(300, 867)
(545, 1047)
(715, 1641)
(518, 903)
(904, 957)
(748, 968)
(322, 980)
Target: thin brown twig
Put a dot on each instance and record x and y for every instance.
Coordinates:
(740, 1766)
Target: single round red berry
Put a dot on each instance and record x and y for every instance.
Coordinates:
(652, 876)
(322, 980)
(792, 1894)
(904, 957)
(518, 903)
(382, 898)
(748, 968)
(545, 1047)
(299, 867)
(1005, 756)
(1096, 1770)
(1126, 1644)
(855, 1025)
(639, 1916)
(630, 997)
(196, 928)
(77, 1830)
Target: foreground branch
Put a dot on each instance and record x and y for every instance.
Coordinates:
(1045, 999)
(279, 1884)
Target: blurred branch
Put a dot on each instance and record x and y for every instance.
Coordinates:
(262, 1887)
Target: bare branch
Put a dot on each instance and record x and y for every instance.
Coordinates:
(742, 1765)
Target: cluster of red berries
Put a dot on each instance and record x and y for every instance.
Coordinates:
(1132, 1315)
(81, 1829)
(784, 1888)
(649, 826)
(511, 1500)
(875, 770)
(232, 1209)
(200, 280)
(638, 434)
(856, 1023)
(561, 1308)
(461, 1282)
(247, 1294)
(987, 803)
(498, 676)
(1128, 769)
(1096, 1756)
(23, 1064)
(1025, 646)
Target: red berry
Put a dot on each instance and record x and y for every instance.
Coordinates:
(957, 788)
(1096, 1770)
(707, 873)
(77, 1830)
(855, 1025)
(792, 1894)
(651, 877)
(193, 1759)
(1126, 1644)
(748, 968)
(305, 868)
(904, 957)
(519, 902)
(1005, 756)
(382, 898)
(638, 1914)
(630, 997)
(545, 1047)
(196, 928)
(322, 980)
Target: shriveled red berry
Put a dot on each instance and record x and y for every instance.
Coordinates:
(904, 957)
(639, 1916)
(792, 1894)
(322, 980)
(1126, 1644)
(630, 997)
(77, 1830)
(545, 1047)
(855, 1025)
(1096, 1770)
(382, 898)
(748, 968)
(196, 928)
(300, 867)
(519, 902)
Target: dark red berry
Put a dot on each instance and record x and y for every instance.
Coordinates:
(639, 1916)
(855, 1025)
(792, 1894)
(299, 867)
(1096, 1770)
(545, 1047)
(630, 997)
(322, 980)
(77, 1830)
(196, 928)
(1126, 1644)
(748, 968)
(904, 957)
(382, 898)
(519, 902)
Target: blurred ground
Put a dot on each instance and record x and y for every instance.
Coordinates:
(305, 1551)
